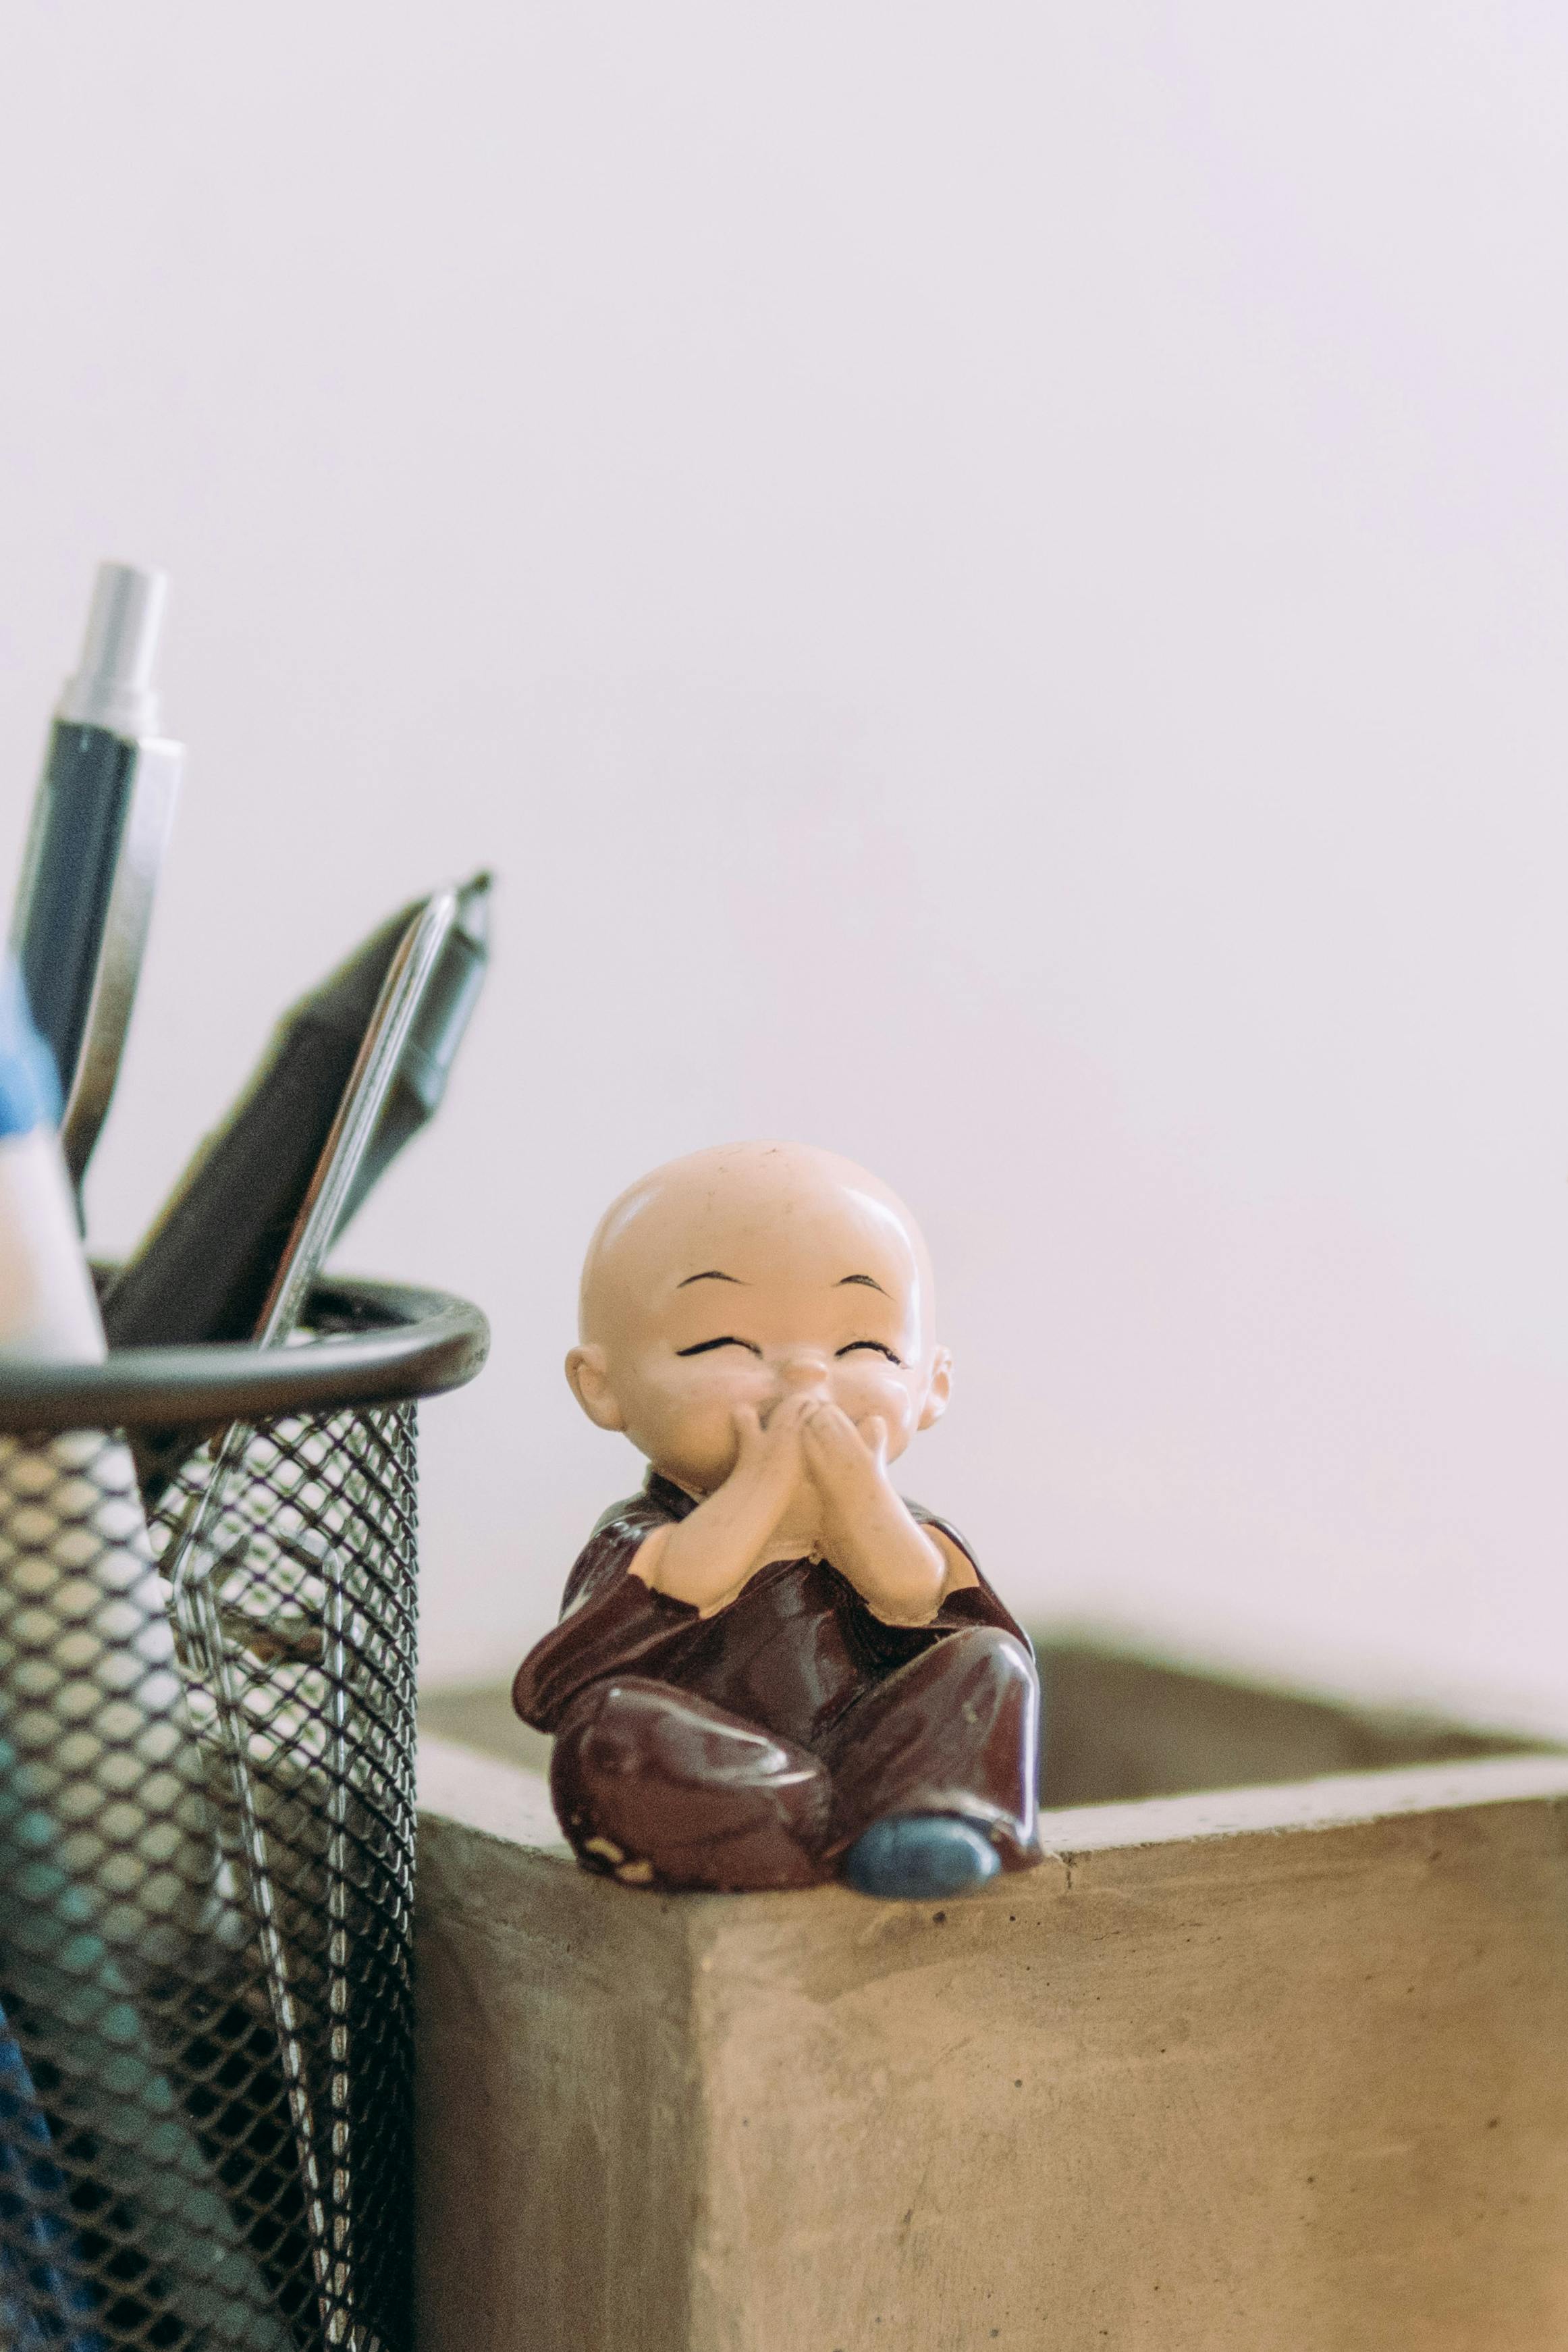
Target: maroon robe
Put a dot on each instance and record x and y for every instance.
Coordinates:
(749, 1749)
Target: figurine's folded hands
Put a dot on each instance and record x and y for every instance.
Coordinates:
(901, 1571)
(707, 1558)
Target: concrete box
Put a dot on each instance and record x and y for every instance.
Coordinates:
(1278, 2065)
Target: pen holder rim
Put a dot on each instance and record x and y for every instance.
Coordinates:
(400, 1341)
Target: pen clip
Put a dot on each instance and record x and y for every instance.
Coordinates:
(365, 1097)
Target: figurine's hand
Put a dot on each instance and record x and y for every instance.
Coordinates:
(767, 1468)
(901, 1573)
(712, 1554)
(847, 1462)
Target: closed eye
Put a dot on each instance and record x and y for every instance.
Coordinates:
(876, 1345)
(704, 1347)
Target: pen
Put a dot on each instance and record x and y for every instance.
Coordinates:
(100, 825)
(46, 1307)
(421, 1007)
(46, 1304)
(207, 1268)
(46, 2303)
(107, 1863)
(445, 998)
(125, 2145)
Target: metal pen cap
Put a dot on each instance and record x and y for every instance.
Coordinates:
(112, 687)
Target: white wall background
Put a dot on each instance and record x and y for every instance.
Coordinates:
(991, 579)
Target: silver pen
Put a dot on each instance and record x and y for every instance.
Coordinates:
(100, 826)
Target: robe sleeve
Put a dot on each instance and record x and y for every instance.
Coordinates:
(973, 1604)
(611, 1621)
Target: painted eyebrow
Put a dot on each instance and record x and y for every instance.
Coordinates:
(866, 1278)
(713, 1275)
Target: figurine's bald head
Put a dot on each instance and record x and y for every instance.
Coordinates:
(738, 1274)
(742, 1212)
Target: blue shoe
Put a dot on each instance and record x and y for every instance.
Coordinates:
(917, 1857)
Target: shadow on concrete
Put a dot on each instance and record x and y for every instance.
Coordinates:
(1121, 1723)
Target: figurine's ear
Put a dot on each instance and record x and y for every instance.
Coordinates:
(589, 1379)
(941, 1389)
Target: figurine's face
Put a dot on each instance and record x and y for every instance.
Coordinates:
(744, 1276)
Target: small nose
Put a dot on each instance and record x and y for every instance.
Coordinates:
(802, 1368)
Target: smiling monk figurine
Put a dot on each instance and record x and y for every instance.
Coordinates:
(772, 1670)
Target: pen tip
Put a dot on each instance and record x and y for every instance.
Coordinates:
(473, 908)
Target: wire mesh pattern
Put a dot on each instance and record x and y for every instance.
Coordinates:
(206, 1869)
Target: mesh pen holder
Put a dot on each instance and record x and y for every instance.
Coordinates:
(207, 1835)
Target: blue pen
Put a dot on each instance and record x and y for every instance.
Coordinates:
(47, 1303)
(100, 822)
(92, 1698)
(46, 2304)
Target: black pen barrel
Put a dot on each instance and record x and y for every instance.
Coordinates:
(205, 1270)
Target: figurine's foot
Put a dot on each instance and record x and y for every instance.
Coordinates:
(916, 1857)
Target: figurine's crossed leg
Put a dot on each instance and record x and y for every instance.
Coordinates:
(661, 1788)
